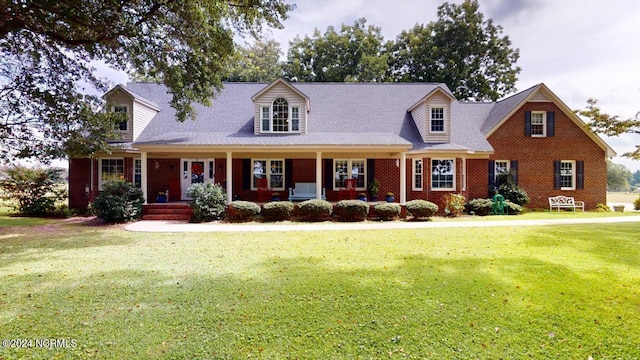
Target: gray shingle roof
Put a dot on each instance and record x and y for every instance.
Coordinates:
(341, 114)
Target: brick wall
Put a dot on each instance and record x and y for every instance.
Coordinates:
(536, 156)
(79, 179)
(160, 174)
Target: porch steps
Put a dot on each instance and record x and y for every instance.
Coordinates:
(166, 211)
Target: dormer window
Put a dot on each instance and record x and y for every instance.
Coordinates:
(123, 125)
(437, 119)
(280, 117)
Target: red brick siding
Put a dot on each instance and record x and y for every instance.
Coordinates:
(160, 174)
(477, 179)
(536, 156)
(79, 179)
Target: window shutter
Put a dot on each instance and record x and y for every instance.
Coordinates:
(371, 163)
(246, 174)
(580, 175)
(527, 123)
(557, 183)
(551, 123)
(328, 174)
(288, 173)
(492, 175)
(514, 171)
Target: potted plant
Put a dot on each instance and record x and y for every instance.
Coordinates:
(362, 196)
(161, 197)
(275, 196)
(374, 186)
(390, 197)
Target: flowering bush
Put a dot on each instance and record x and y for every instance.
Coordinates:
(454, 204)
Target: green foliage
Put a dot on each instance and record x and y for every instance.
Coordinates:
(208, 201)
(636, 204)
(257, 62)
(315, 210)
(513, 193)
(118, 202)
(33, 191)
(352, 210)
(277, 210)
(355, 53)
(454, 204)
(460, 49)
(480, 207)
(373, 187)
(600, 207)
(513, 209)
(47, 49)
(387, 211)
(242, 211)
(421, 209)
(618, 177)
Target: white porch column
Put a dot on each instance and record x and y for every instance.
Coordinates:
(229, 167)
(403, 178)
(319, 175)
(143, 174)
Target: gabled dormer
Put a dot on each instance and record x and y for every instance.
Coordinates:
(432, 115)
(138, 109)
(280, 108)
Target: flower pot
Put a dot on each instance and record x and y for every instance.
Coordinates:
(161, 198)
(390, 198)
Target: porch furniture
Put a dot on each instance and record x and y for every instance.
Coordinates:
(565, 202)
(304, 191)
(264, 193)
(349, 191)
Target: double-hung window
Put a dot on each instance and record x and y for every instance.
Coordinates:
(567, 175)
(137, 173)
(280, 117)
(417, 174)
(124, 124)
(442, 174)
(271, 169)
(538, 124)
(437, 119)
(111, 169)
(350, 169)
(501, 171)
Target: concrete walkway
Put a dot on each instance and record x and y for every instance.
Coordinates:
(184, 227)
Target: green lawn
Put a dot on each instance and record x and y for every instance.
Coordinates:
(530, 292)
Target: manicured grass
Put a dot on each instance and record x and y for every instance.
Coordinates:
(504, 292)
(620, 197)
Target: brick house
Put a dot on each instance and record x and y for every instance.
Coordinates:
(415, 138)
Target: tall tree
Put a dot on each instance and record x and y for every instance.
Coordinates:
(355, 53)
(609, 125)
(257, 62)
(617, 177)
(460, 49)
(47, 48)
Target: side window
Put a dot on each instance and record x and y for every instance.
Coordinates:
(437, 119)
(122, 126)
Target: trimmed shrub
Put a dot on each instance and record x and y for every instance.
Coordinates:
(602, 208)
(352, 210)
(421, 209)
(387, 211)
(118, 202)
(636, 204)
(514, 193)
(454, 204)
(315, 210)
(34, 191)
(242, 211)
(513, 209)
(480, 207)
(277, 210)
(208, 201)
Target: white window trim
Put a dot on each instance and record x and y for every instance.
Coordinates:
(413, 175)
(444, 122)
(124, 164)
(350, 166)
(431, 174)
(544, 124)
(289, 122)
(113, 109)
(134, 171)
(495, 168)
(573, 174)
(268, 173)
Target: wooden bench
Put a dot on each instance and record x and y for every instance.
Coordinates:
(304, 191)
(564, 202)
